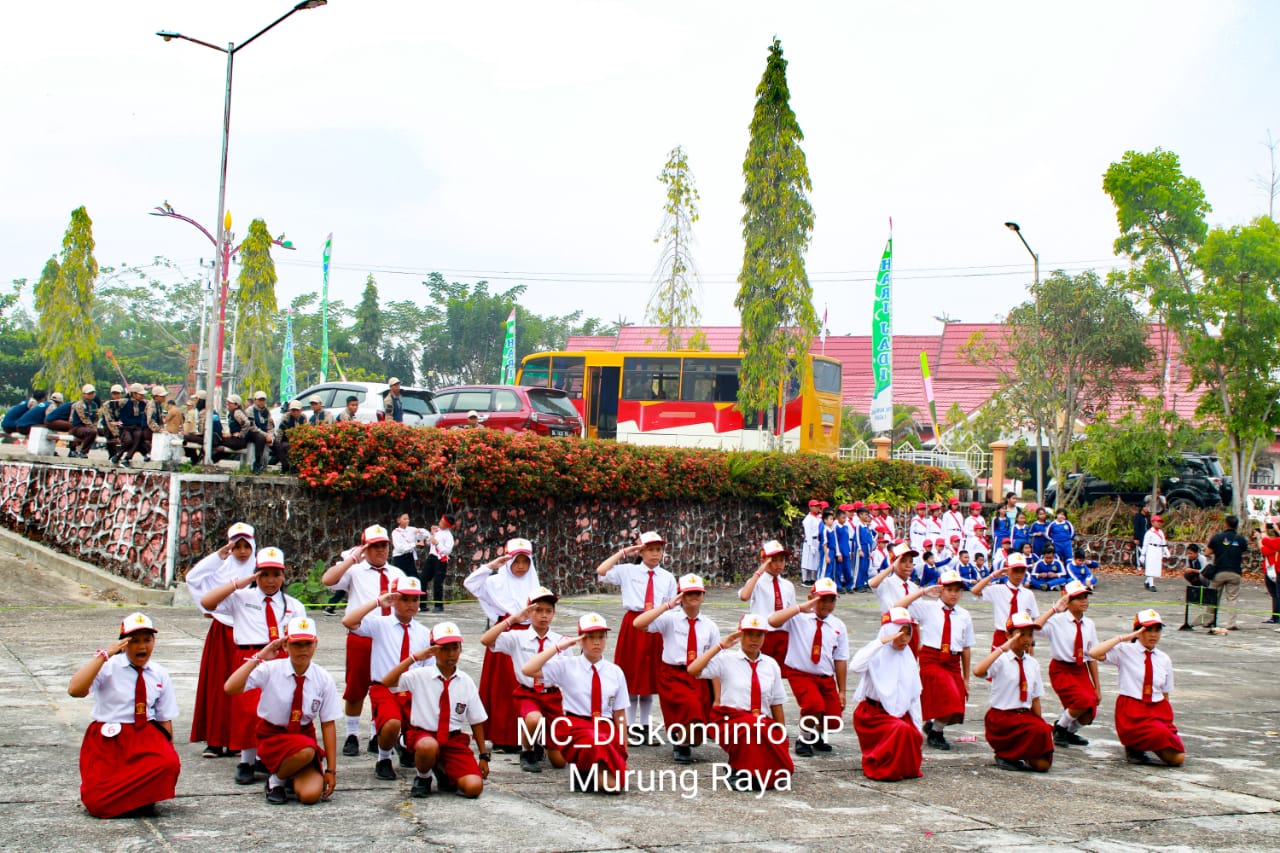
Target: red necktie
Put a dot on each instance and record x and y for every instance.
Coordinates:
(597, 693)
(442, 727)
(140, 697)
(1148, 678)
(1079, 641)
(946, 630)
(648, 592)
(404, 641)
(295, 713)
(816, 654)
(273, 627)
(755, 687)
(1022, 682)
(537, 684)
(777, 595)
(1013, 600)
(691, 650)
(382, 589)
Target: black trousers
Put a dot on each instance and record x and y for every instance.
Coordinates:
(132, 440)
(1274, 588)
(433, 570)
(406, 563)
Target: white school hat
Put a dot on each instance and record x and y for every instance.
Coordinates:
(898, 616)
(1075, 588)
(137, 622)
(950, 576)
(519, 546)
(375, 533)
(1147, 618)
(825, 586)
(542, 593)
(592, 622)
(271, 558)
(300, 630)
(1015, 561)
(772, 547)
(904, 550)
(239, 530)
(445, 632)
(650, 537)
(1022, 620)
(690, 583)
(753, 622)
(407, 586)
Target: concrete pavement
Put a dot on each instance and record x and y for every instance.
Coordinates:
(1226, 797)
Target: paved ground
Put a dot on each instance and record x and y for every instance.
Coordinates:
(1226, 797)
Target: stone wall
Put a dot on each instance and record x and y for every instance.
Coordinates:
(1111, 550)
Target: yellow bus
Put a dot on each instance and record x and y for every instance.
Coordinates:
(686, 399)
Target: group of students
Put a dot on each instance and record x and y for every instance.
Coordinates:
(260, 696)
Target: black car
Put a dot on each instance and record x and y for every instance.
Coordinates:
(1198, 481)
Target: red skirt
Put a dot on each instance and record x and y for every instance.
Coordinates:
(389, 706)
(815, 694)
(244, 707)
(211, 722)
(454, 757)
(497, 692)
(891, 746)
(276, 743)
(1147, 726)
(753, 743)
(684, 699)
(135, 768)
(359, 650)
(942, 680)
(998, 638)
(775, 646)
(1018, 735)
(549, 704)
(1073, 685)
(639, 654)
(585, 745)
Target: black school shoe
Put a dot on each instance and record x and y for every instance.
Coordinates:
(384, 770)
(1005, 764)
(529, 762)
(804, 749)
(276, 796)
(1137, 756)
(212, 752)
(821, 745)
(244, 773)
(351, 746)
(406, 757)
(421, 787)
(935, 738)
(1063, 737)
(372, 746)
(443, 782)
(682, 754)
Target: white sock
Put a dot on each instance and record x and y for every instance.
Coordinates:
(373, 731)
(631, 711)
(275, 781)
(645, 709)
(420, 774)
(353, 725)
(1074, 726)
(248, 756)
(385, 753)
(1066, 720)
(936, 726)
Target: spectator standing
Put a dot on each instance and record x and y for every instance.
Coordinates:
(404, 545)
(1227, 549)
(392, 404)
(1269, 544)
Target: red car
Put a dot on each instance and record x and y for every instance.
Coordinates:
(511, 408)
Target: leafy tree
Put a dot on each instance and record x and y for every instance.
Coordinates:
(66, 338)
(148, 320)
(368, 328)
(255, 297)
(18, 361)
(1139, 447)
(673, 303)
(1219, 292)
(774, 298)
(855, 426)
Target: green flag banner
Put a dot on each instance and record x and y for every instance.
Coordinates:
(288, 381)
(882, 342)
(508, 372)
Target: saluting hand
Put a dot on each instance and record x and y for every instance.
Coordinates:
(115, 647)
(387, 599)
(807, 605)
(732, 639)
(225, 551)
(358, 554)
(675, 602)
(244, 582)
(272, 649)
(630, 550)
(422, 654)
(1060, 606)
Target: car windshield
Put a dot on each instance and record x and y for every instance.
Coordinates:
(551, 404)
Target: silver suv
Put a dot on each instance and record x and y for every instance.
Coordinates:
(419, 406)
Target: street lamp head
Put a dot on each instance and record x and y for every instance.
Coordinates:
(1012, 226)
(168, 36)
(309, 4)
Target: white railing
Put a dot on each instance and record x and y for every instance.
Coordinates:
(859, 452)
(974, 462)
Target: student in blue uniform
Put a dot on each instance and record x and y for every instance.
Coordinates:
(1001, 526)
(10, 421)
(866, 544)
(829, 545)
(34, 416)
(1040, 532)
(58, 416)
(1048, 572)
(1081, 568)
(843, 566)
(1021, 533)
(1062, 534)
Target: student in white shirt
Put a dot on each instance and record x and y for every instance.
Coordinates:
(817, 664)
(445, 701)
(404, 545)
(1155, 548)
(946, 640)
(1006, 598)
(886, 716)
(768, 592)
(1015, 731)
(127, 759)
(440, 544)
(294, 693)
(1072, 672)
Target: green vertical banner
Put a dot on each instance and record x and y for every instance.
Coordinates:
(882, 342)
(288, 379)
(324, 311)
(508, 372)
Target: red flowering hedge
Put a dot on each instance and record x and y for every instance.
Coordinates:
(481, 466)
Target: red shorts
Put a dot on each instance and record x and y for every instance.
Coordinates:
(549, 704)
(454, 758)
(135, 768)
(815, 694)
(1018, 734)
(684, 699)
(211, 721)
(359, 650)
(1073, 685)
(943, 689)
(775, 646)
(277, 743)
(639, 655)
(1146, 725)
(586, 745)
(389, 706)
(891, 746)
(754, 744)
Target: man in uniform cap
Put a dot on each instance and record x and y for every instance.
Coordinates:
(84, 420)
(392, 404)
(293, 417)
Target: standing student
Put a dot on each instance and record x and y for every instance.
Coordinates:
(817, 664)
(1001, 526)
(918, 529)
(843, 569)
(395, 637)
(946, 641)
(882, 521)
(886, 716)
(1062, 533)
(830, 549)
(953, 520)
(363, 574)
(1021, 534)
(404, 545)
(1072, 673)
(811, 553)
(594, 692)
(445, 701)
(1018, 735)
(127, 759)
(1144, 717)
(440, 543)
(879, 559)
(749, 716)
(1269, 547)
(1006, 598)
(537, 705)
(503, 586)
(293, 693)
(1154, 549)
(259, 609)
(1040, 532)
(637, 652)
(686, 633)
(768, 592)
(211, 722)
(975, 531)
(865, 545)
(893, 582)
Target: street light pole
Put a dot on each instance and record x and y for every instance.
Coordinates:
(1013, 226)
(221, 255)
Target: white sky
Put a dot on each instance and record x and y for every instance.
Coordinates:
(520, 142)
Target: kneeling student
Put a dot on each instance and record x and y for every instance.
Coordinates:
(537, 705)
(1018, 735)
(887, 715)
(750, 682)
(593, 732)
(1072, 673)
(817, 664)
(294, 694)
(946, 641)
(127, 759)
(1144, 717)
(445, 699)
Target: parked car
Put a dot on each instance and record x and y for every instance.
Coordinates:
(1198, 481)
(419, 405)
(511, 408)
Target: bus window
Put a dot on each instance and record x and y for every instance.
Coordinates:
(826, 377)
(651, 379)
(567, 374)
(535, 372)
(710, 380)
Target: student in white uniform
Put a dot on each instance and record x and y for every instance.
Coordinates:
(1155, 547)
(946, 641)
(1144, 673)
(768, 591)
(886, 716)
(893, 582)
(1015, 729)
(1072, 672)
(953, 520)
(1006, 598)
(817, 664)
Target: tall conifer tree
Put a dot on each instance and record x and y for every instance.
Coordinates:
(256, 309)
